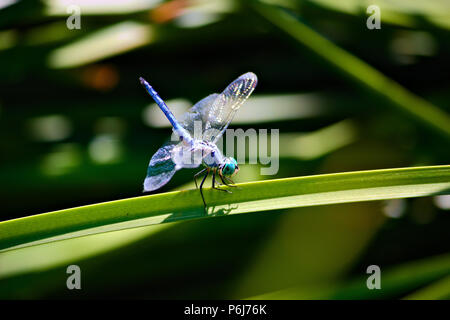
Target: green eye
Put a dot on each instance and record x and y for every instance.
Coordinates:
(229, 169)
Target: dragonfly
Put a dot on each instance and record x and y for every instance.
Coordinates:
(191, 148)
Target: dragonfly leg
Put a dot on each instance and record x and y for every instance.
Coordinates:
(214, 181)
(201, 187)
(224, 180)
(196, 175)
(231, 181)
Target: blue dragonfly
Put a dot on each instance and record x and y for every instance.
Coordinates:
(191, 148)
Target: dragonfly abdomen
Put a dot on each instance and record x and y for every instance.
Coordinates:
(183, 134)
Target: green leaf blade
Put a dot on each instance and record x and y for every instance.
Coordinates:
(250, 197)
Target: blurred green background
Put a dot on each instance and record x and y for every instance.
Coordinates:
(76, 128)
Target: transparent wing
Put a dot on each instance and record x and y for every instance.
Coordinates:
(187, 156)
(199, 112)
(167, 160)
(226, 105)
(216, 111)
(161, 168)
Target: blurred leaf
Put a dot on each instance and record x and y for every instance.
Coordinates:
(115, 39)
(251, 197)
(311, 247)
(59, 8)
(60, 253)
(394, 281)
(172, 260)
(358, 71)
(437, 290)
(399, 12)
(320, 142)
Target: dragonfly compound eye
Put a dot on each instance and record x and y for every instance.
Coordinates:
(228, 169)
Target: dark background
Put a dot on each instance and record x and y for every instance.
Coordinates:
(72, 135)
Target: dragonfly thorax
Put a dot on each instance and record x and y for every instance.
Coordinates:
(212, 156)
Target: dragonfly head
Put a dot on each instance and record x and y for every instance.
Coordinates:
(229, 167)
